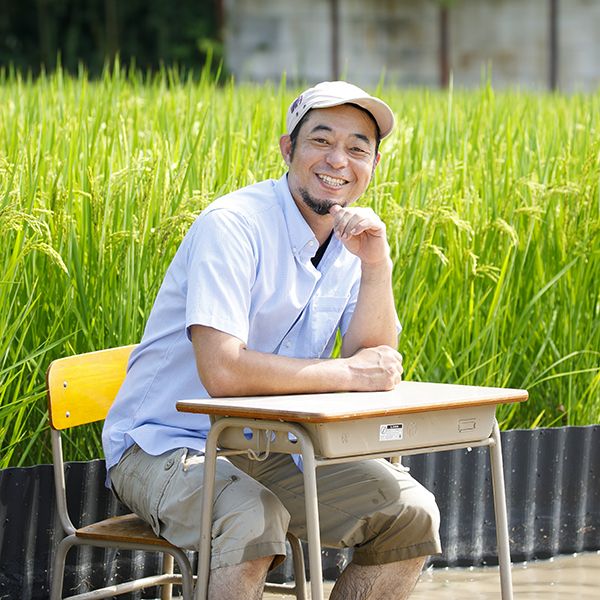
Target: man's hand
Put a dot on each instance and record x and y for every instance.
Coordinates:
(376, 369)
(362, 232)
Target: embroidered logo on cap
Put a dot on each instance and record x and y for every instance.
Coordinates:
(296, 103)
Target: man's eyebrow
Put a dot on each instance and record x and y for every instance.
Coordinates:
(320, 128)
(360, 136)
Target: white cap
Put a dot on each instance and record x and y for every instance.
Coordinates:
(334, 93)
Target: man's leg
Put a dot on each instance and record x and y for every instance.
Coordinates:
(391, 581)
(245, 580)
(375, 507)
(249, 522)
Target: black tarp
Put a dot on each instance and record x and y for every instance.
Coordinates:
(552, 481)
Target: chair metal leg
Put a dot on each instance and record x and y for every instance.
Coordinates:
(58, 568)
(299, 572)
(501, 514)
(187, 578)
(166, 592)
(187, 583)
(170, 555)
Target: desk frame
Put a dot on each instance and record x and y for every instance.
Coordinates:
(311, 463)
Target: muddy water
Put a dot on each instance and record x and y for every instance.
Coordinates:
(575, 577)
(561, 577)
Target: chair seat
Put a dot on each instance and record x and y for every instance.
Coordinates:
(125, 528)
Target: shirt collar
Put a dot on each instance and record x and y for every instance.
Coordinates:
(303, 241)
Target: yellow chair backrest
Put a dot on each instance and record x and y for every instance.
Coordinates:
(82, 388)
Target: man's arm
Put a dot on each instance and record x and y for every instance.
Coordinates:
(227, 368)
(369, 360)
(374, 320)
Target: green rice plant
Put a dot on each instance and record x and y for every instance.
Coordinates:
(496, 225)
(491, 200)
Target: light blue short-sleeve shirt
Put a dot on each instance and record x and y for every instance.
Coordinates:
(243, 268)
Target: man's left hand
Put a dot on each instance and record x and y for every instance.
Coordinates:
(362, 232)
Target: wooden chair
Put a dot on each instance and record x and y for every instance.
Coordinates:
(81, 389)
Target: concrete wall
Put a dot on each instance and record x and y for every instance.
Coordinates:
(579, 58)
(398, 37)
(510, 35)
(401, 38)
(266, 37)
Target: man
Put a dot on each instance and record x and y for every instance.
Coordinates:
(251, 305)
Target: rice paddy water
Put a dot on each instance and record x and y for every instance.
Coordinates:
(552, 579)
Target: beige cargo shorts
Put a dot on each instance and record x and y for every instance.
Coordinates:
(372, 506)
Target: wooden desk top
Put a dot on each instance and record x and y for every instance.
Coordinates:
(408, 397)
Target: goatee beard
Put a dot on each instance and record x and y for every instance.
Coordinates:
(320, 207)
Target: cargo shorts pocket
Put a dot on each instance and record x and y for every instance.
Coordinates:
(170, 464)
(140, 481)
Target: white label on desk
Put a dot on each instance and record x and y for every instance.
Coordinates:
(390, 432)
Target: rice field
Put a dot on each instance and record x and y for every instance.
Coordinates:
(492, 202)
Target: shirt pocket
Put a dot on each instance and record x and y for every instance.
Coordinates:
(325, 319)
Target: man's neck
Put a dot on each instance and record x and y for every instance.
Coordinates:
(321, 225)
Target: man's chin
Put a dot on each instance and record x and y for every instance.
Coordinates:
(320, 206)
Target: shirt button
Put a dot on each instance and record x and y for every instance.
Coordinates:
(169, 464)
(287, 344)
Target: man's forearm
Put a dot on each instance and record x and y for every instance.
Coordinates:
(227, 368)
(373, 323)
(374, 320)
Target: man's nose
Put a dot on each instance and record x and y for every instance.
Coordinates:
(336, 157)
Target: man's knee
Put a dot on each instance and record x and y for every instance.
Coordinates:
(417, 509)
(406, 531)
(406, 526)
(253, 525)
(426, 516)
(256, 513)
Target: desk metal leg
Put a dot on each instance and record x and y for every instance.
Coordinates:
(310, 493)
(312, 514)
(501, 514)
(208, 492)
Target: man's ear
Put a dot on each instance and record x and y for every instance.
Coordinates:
(285, 145)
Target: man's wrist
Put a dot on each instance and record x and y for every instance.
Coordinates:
(379, 271)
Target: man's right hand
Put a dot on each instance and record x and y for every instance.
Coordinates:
(376, 369)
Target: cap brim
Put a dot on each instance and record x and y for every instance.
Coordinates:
(381, 112)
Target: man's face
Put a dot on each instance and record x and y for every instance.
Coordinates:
(333, 160)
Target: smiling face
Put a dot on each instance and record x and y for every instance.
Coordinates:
(333, 159)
